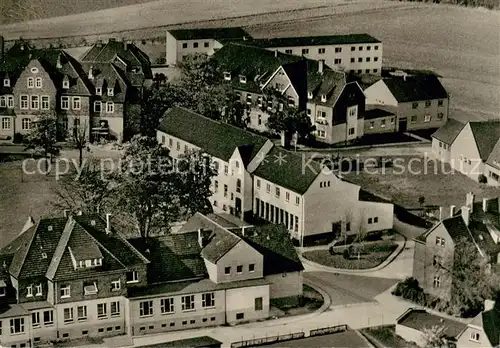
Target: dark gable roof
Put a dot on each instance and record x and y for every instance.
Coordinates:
(285, 168)
(419, 319)
(217, 139)
(494, 157)
(274, 243)
(449, 131)
(491, 324)
(173, 257)
(108, 75)
(330, 83)
(455, 226)
(118, 51)
(256, 64)
(314, 40)
(486, 135)
(53, 236)
(209, 33)
(372, 114)
(415, 88)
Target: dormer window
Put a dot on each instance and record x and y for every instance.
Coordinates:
(98, 90)
(6, 82)
(90, 288)
(227, 76)
(66, 84)
(309, 95)
(243, 79)
(323, 98)
(111, 92)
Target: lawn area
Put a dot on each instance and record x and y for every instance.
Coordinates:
(310, 302)
(23, 195)
(415, 176)
(371, 256)
(387, 336)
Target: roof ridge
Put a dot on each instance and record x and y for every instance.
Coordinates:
(100, 52)
(82, 78)
(218, 122)
(28, 248)
(59, 251)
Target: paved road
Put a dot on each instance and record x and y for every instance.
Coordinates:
(346, 289)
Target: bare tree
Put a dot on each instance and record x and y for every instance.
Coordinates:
(79, 138)
(435, 337)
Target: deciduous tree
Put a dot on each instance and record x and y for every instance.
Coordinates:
(42, 138)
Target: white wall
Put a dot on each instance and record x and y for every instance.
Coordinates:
(242, 300)
(379, 94)
(285, 285)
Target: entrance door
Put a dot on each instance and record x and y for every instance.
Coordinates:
(237, 207)
(403, 125)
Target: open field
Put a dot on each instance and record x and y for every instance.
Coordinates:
(407, 181)
(460, 44)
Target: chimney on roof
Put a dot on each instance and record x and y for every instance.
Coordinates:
(65, 212)
(108, 223)
(321, 63)
(285, 139)
(59, 63)
(489, 305)
(98, 43)
(440, 213)
(404, 77)
(469, 201)
(485, 205)
(200, 238)
(466, 215)
(452, 210)
(276, 53)
(91, 73)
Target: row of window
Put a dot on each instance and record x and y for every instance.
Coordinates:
(494, 175)
(276, 215)
(444, 146)
(277, 192)
(360, 71)
(427, 118)
(239, 269)
(110, 107)
(34, 102)
(167, 305)
(196, 44)
(7, 101)
(427, 104)
(81, 312)
(34, 82)
(373, 220)
(382, 123)
(90, 287)
(322, 50)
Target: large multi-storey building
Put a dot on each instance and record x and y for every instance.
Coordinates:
(353, 53)
(75, 277)
(98, 94)
(256, 178)
(418, 102)
(182, 42)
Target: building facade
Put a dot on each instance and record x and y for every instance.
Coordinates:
(95, 97)
(444, 137)
(182, 42)
(483, 330)
(76, 277)
(257, 178)
(419, 102)
(476, 223)
(354, 53)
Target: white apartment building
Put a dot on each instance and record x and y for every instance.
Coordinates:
(356, 53)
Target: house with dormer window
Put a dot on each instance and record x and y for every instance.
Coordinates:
(67, 278)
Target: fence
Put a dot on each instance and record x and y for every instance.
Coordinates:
(328, 330)
(267, 340)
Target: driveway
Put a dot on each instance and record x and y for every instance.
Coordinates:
(347, 289)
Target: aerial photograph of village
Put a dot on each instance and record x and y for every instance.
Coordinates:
(265, 173)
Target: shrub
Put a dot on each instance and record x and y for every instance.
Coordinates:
(331, 250)
(18, 138)
(346, 254)
(482, 179)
